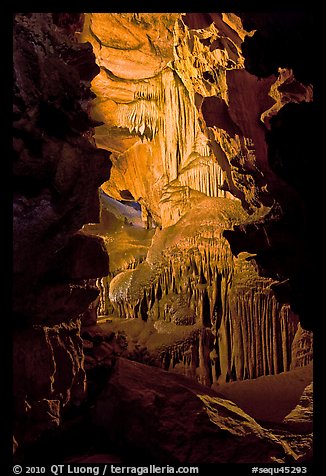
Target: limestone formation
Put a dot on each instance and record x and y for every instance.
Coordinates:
(227, 322)
(199, 124)
(187, 117)
(150, 115)
(302, 348)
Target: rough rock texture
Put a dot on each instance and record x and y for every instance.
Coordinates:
(302, 348)
(283, 244)
(194, 90)
(123, 232)
(127, 243)
(269, 398)
(191, 108)
(299, 420)
(206, 141)
(57, 171)
(297, 427)
(169, 419)
(148, 113)
(49, 374)
(101, 348)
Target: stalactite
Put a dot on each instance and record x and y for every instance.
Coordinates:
(141, 116)
(164, 107)
(185, 357)
(263, 331)
(243, 331)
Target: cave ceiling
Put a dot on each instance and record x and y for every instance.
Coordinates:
(181, 115)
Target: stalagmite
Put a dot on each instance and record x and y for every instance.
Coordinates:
(241, 330)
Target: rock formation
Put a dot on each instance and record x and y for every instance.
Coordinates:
(183, 128)
(201, 129)
(219, 431)
(200, 213)
(299, 420)
(275, 396)
(190, 281)
(186, 116)
(57, 172)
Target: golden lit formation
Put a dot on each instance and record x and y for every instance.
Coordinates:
(161, 310)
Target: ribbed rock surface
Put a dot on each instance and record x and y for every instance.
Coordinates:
(284, 244)
(169, 419)
(57, 171)
(207, 119)
(149, 113)
(197, 137)
(194, 125)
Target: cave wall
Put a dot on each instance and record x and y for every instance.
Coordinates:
(283, 242)
(146, 101)
(57, 170)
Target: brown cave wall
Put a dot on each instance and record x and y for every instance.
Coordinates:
(283, 243)
(57, 171)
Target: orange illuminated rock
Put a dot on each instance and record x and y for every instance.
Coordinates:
(180, 112)
(56, 174)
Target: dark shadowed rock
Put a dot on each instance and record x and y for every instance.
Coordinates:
(84, 257)
(56, 168)
(167, 418)
(96, 458)
(56, 174)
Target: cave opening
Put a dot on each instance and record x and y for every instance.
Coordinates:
(158, 240)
